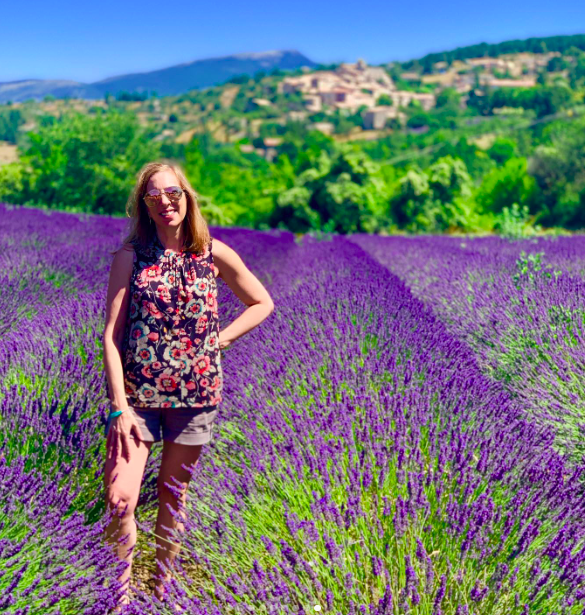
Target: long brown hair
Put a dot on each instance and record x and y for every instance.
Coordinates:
(197, 235)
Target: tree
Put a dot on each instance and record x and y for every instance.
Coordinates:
(448, 97)
(385, 99)
(239, 79)
(131, 96)
(559, 172)
(420, 119)
(502, 150)
(10, 121)
(343, 193)
(436, 199)
(87, 163)
(507, 185)
(544, 100)
(242, 187)
(556, 64)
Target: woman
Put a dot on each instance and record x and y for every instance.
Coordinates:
(162, 348)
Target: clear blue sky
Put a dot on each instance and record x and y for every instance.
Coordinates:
(73, 40)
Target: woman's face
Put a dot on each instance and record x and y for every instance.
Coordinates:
(166, 212)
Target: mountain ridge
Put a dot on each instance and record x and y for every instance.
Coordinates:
(169, 81)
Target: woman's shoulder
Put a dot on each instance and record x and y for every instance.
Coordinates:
(123, 262)
(139, 249)
(218, 247)
(132, 248)
(225, 258)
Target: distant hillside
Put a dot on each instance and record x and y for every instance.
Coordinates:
(531, 45)
(18, 91)
(165, 82)
(203, 73)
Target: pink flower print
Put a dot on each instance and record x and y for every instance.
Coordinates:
(153, 336)
(148, 392)
(139, 331)
(211, 301)
(167, 382)
(186, 344)
(163, 293)
(201, 364)
(201, 324)
(194, 308)
(215, 399)
(191, 386)
(146, 372)
(216, 383)
(153, 310)
(149, 274)
(201, 286)
(156, 365)
(145, 354)
(211, 342)
(170, 278)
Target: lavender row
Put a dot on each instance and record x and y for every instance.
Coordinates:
(521, 308)
(52, 405)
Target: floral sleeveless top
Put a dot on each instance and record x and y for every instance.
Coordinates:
(171, 343)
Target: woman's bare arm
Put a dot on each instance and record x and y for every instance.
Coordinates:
(117, 303)
(246, 286)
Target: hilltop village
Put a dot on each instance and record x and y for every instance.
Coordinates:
(352, 85)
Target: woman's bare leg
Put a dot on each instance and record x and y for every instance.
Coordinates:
(122, 496)
(173, 456)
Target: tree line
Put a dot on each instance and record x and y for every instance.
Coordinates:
(561, 44)
(89, 163)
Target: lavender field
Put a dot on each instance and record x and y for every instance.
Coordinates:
(404, 434)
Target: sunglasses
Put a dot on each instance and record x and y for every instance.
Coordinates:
(154, 196)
